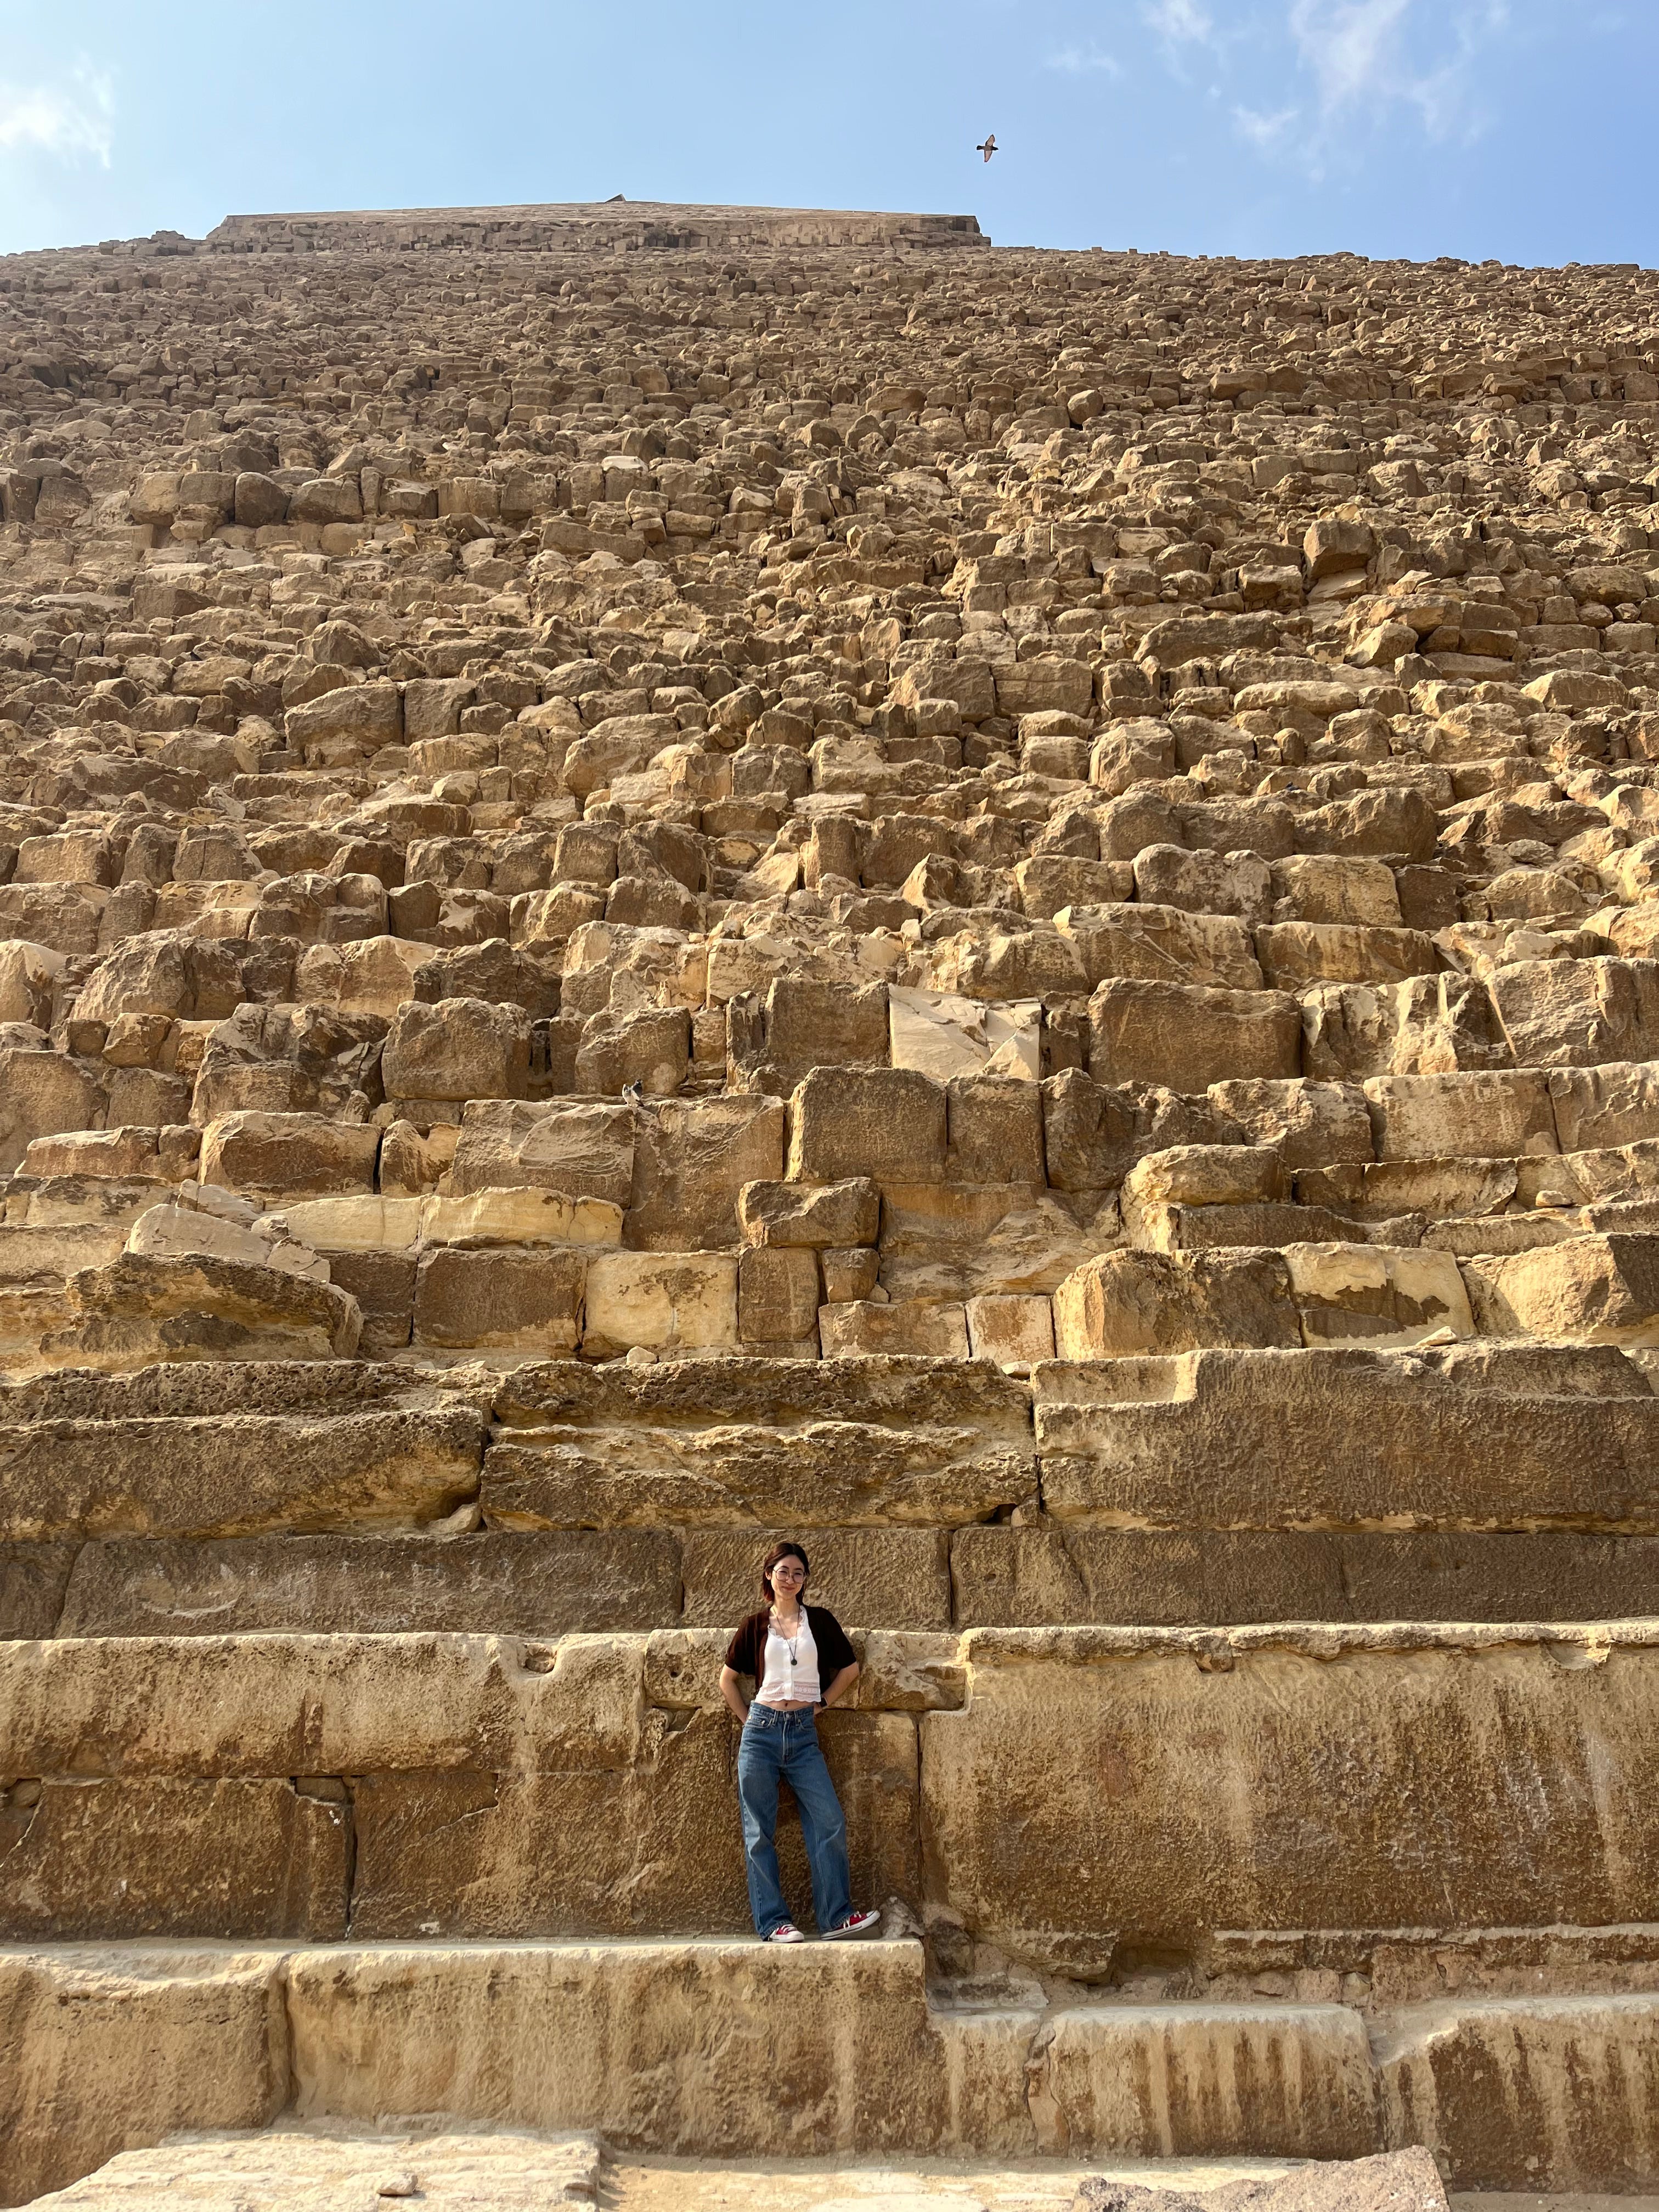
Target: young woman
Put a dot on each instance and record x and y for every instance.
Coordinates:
(799, 1660)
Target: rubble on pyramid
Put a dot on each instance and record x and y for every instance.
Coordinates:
(668, 878)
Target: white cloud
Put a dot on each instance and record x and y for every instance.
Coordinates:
(1364, 54)
(1182, 22)
(1264, 130)
(1082, 61)
(68, 121)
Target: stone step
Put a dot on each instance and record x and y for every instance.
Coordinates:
(1092, 1803)
(1464, 1437)
(554, 1582)
(680, 2047)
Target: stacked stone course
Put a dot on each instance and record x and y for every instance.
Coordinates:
(669, 875)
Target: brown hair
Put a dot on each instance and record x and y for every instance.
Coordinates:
(787, 1550)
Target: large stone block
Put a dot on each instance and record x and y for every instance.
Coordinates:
(495, 1583)
(102, 2052)
(234, 1473)
(502, 1301)
(284, 1155)
(691, 1161)
(1162, 944)
(1191, 1761)
(460, 1048)
(669, 1302)
(756, 1443)
(142, 1308)
(1461, 1438)
(888, 1124)
(585, 1152)
(1588, 1290)
(1123, 1304)
(1185, 1037)
(1475, 1116)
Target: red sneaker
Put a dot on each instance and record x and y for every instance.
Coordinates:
(855, 1926)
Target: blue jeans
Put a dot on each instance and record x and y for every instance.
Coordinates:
(779, 1746)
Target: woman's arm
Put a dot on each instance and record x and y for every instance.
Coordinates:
(732, 1691)
(840, 1684)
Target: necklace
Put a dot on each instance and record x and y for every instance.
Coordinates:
(790, 1641)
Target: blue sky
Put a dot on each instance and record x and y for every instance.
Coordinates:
(1518, 128)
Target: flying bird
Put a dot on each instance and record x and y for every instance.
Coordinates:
(989, 146)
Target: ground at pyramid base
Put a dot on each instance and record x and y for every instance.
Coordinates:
(675, 875)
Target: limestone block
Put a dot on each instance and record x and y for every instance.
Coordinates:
(28, 976)
(1207, 1764)
(1376, 1294)
(1295, 953)
(1450, 2076)
(521, 1217)
(858, 1329)
(368, 715)
(1176, 2079)
(1521, 1437)
(993, 1129)
(869, 1443)
(669, 1302)
(812, 1217)
(585, 1151)
(1015, 1332)
(116, 1154)
(942, 1036)
(1588, 1290)
(886, 1124)
(461, 1048)
(41, 1092)
(1122, 1303)
(496, 1300)
(366, 1224)
(491, 1582)
(373, 977)
(1185, 1037)
(279, 1153)
(895, 1578)
(1429, 1026)
(106, 2053)
(652, 1047)
(431, 2027)
(958, 1241)
(1598, 1107)
(1162, 944)
(1578, 1013)
(141, 1308)
(777, 1294)
(692, 1158)
(222, 1855)
(1203, 1174)
(1323, 887)
(235, 1473)
(1238, 883)
(1310, 1124)
(1473, 1115)
(178, 1232)
(1049, 881)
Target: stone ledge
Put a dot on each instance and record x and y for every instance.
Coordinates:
(116, 2046)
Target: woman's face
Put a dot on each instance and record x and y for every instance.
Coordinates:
(788, 1579)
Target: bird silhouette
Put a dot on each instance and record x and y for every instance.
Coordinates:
(633, 1092)
(988, 145)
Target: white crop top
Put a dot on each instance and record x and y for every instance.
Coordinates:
(785, 1683)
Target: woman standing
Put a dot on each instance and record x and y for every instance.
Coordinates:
(799, 1660)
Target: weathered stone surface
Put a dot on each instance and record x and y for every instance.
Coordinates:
(1514, 1438)
(203, 1474)
(1206, 1762)
(750, 1442)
